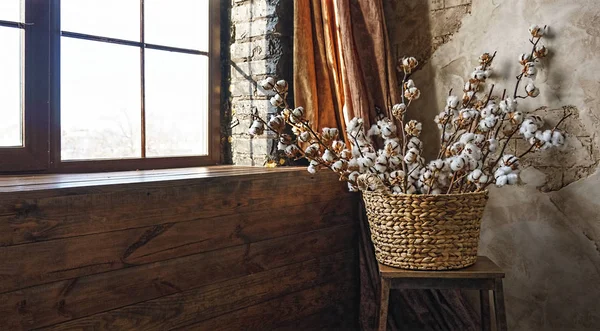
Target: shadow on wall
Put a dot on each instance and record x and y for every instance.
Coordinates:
(410, 33)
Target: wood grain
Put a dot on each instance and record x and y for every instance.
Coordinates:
(483, 268)
(218, 299)
(31, 220)
(169, 248)
(267, 315)
(83, 255)
(79, 297)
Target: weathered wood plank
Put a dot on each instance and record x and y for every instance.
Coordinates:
(37, 182)
(79, 297)
(31, 219)
(268, 315)
(222, 298)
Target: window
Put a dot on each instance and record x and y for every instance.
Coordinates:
(92, 85)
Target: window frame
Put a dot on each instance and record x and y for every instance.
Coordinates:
(42, 139)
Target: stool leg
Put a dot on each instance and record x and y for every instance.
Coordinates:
(484, 303)
(383, 303)
(501, 324)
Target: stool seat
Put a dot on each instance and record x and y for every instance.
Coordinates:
(483, 268)
(484, 276)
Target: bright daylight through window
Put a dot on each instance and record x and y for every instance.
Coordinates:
(127, 80)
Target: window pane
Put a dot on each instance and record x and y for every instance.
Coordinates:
(107, 18)
(11, 10)
(176, 104)
(177, 23)
(11, 87)
(100, 100)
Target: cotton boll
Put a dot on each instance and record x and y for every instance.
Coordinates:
(339, 165)
(516, 117)
(391, 147)
(352, 187)
(415, 143)
(436, 191)
(374, 131)
(512, 178)
(354, 125)
(409, 84)
(413, 128)
(257, 128)
(537, 31)
(268, 83)
(381, 163)
(312, 150)
(388, 130)
(478, 75)
(397, 189)
(524, 58)
(473, 151)
(277, 100)
(531, 90)
(470, 86)
(474, 175)
(457, 148)
(292, 151)
(297, 115)
(304, 136)
(501, 181)
(558, 139)
(353, 176)
(282, 86)
(452, 102)
(411, 156)
(457, 163)
(510, 161)
(492, 145)
(313, 167)
(277, 123)
(398, 110)
(338, 146)
(530, 70)
(466, 137)
(508, 105)
(412, 93)
(540, 52)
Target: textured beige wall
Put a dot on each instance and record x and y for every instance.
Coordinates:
(546, 232)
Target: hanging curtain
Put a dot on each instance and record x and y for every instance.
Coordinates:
(343, 69)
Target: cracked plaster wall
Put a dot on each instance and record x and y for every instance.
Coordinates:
(544, 233)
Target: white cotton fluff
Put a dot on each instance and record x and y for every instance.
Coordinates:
(394, 161)
(472, 151)
(391, 147)
(488, 123)
(353, 176)
(528, 128)
(339, 165)
(411, 155)
(414, 143)
(257, 128)
(508, 105)
(558, 139)
(457, 163)
(374, 131)
(492, 145)
(475, 175)
(328, 156)
(531, 90)
(466, 137)
(452, 102)
(381, 163)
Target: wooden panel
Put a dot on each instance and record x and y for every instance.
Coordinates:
(74, 298)
(483, 268)
(74, 257)
(166, 249)
(269, 314)
(217, 299)
(29, 220)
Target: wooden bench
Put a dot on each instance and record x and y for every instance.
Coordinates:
(484, 276)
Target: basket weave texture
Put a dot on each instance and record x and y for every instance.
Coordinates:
(425, 232)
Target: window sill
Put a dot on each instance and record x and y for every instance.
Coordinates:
(12, 185)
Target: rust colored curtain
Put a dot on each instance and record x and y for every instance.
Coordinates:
(342, 69)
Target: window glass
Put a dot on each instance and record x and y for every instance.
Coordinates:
(176, 104)
(177, 23)
(100, 100)
(12, 10)
(107, 18)
(11, 87)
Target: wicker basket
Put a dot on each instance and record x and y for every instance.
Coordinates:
(425, 232)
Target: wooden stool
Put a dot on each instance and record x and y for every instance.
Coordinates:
(484, 276)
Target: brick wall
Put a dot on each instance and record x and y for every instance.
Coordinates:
(260, 44)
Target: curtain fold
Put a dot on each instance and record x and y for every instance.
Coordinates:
(343, 68)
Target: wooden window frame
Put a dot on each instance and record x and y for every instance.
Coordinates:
(41, 151)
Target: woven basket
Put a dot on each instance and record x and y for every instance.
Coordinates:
(425, 232)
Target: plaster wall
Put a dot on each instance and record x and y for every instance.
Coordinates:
(544, 233)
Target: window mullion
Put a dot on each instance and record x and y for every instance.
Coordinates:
(143, 83)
